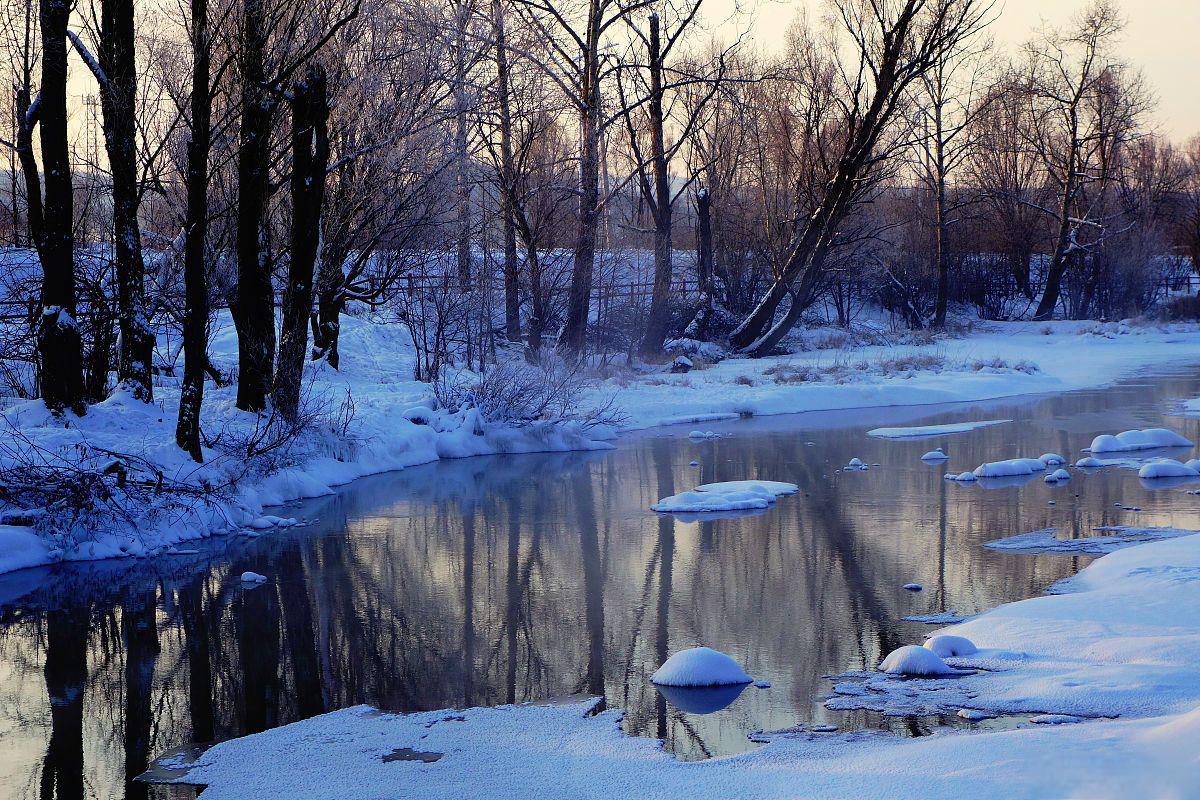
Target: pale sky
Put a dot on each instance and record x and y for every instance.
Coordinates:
(1162, 38)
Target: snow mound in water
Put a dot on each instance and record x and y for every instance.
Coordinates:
(1147, 439)
(253, 577)
(935, 455)
(951, 646)
(1051, 459)
(1013, 466)
(1088, 461)
(775, 488)
(699, 666)
(725, 496)
(1193, 463)
(963, 477)
(704, 435)
(1058, 475)
(1167, 468)
(855, 462)
(913, 660)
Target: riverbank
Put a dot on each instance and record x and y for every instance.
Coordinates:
(1103, 677)
(366, 423)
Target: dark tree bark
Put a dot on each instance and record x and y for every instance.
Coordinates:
(698, 327)
(118, 94)
(27, 115)
(310, 158)
(512, 300)
(195, 277)
(253, 308)
(58, 334)
(572, 337)
(659, 202)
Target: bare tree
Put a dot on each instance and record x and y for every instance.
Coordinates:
(310, 159)
(896, 43)
(58, 337)
(195, 232)
(950, 96)
(1084, 106)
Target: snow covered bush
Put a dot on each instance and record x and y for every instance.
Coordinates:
(518, 394)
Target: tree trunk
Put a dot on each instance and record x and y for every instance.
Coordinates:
(58, 335)
(698, 327)
(1058, 258)
(512, 300)
(25, 122)
(195, 277)
(254, 306)
(660, 311)
(118, 95)
(939, 253)
(572, 337)
(310, 157)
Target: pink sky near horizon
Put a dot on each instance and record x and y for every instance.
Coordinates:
(1161, 37)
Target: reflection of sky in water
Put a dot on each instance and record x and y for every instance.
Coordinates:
(507, 579)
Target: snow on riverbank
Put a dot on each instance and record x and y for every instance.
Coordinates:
(995, 360)
(364, 423)
(1122, 642)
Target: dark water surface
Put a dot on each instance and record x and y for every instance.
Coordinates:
(508, 579)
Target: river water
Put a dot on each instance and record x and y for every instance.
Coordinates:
(520, 578)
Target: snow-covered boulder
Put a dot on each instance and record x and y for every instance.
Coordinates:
(699, 666)
(1088, 462)
(935, 455)
(1167, 468)
(1194, 463)
(681, 365)
(855, 462)
(253, 577)
(965, 477)
(951, 646)
(1009, 468)
(1051, 459)
(1148, 439)
(703, 435)
(1058, 475)
(913, 660)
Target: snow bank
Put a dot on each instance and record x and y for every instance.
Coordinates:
(392, 427)
(913, 660)
(922, 431)
(1128, 441)
(699, 666)
(1167, 468)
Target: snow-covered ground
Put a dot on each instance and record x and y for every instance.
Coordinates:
(1116, 650)
(370, 425)
(994, 360)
